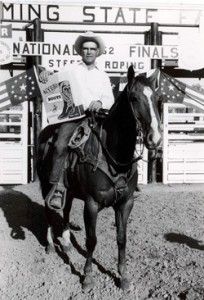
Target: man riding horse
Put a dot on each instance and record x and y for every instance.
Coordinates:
(97, 93)
(102, 171)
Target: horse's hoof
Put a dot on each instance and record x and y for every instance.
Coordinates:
(124, 284)
(66, 249)
(50, 249)
(88, 283)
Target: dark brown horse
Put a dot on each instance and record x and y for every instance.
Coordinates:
(105, 172)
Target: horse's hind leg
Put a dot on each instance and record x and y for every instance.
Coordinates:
(90, 218)
(122, 213)
(67, 223)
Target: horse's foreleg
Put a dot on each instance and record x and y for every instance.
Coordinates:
(50, 230)
(54, 229)
(50, 243)
(67, 209)
(65, 239)
(122, 213)
(66, 212)
(90, 218)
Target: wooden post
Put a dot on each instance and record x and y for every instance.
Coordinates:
(36, 35)
(153, 37)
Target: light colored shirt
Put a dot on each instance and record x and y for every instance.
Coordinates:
(90, 85)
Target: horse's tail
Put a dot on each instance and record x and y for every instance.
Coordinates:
(44, 156)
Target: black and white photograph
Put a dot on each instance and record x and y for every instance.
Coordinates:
(102, 150)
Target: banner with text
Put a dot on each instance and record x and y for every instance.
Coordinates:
(91, 14)
(61, 98)
(117, 57)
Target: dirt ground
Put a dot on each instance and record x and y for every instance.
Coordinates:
(164, 255)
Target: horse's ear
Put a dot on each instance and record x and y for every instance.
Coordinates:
(130, 74)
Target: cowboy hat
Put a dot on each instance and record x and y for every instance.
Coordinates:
(89, 36)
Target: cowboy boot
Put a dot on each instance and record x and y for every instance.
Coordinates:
(56, 197)
(63, 114)
(66, 110)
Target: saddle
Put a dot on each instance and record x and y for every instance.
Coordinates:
(80, 135)
(85, 147)
(77, 143)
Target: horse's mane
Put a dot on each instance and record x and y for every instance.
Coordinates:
(120, 107)
(120, 124)
(120, 127)
(143, 80)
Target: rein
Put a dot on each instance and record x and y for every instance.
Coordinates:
(140, 155)
(116, 163)
(139, 127)
(113, 161)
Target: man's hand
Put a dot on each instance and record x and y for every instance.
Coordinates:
(44, 76)
(95, 106)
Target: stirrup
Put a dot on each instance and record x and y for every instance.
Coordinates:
(51, 194)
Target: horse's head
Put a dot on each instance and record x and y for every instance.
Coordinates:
(142, 102)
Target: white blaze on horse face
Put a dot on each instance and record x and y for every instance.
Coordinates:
(154, 123)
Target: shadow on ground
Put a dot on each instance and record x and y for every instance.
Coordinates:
(21, 212)
(65, 257)
(184, 239)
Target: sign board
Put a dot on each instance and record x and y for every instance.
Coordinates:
(91, 14)
(6, 53)
(61, 97)
(124, 46)
(118, 56)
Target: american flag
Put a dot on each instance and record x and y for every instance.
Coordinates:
(173, 90)
(18, 89)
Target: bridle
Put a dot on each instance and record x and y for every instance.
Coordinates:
(139, 130)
